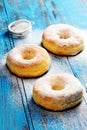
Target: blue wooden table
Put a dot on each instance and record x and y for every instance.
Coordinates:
(17, 108)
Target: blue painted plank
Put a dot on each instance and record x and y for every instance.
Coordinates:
(12, 111)
(12, 115)
(30, 10)
(70, 12)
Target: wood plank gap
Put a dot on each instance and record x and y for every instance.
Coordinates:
(77, 76)
(29, 113)
(25, 103)
(45, 11)
(56, 12)
(6, 12)
(48, 10)
(85, 97)
(10, 37)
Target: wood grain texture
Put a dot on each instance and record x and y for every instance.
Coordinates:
(18, 110)
(12, 112)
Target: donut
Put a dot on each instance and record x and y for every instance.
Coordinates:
(28, 60)
(57, 92)
(63, 39)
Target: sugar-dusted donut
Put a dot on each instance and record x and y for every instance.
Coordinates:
(58, 92)
(63, 39)
(28, 60)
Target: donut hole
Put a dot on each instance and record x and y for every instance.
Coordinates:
(58, 86)
(64, 36)
(28, 55)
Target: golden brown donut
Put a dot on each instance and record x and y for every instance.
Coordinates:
(63, 39)
(28, 60)
(58, 92)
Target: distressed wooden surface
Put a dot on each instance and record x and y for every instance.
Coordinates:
(17, 108)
